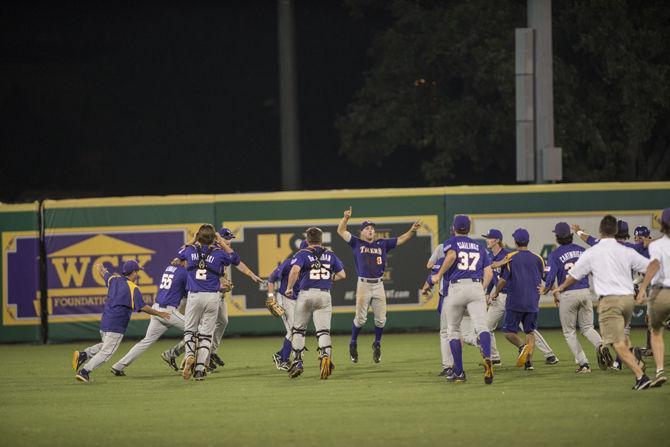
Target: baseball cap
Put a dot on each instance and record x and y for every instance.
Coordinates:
(304, 244)
(462, 223)
(493, 234)
(562, 229)
(226, 233)
(521, 236)
(130, 267)
(665, 217)
(641, 231)
(367, 223)
(622, 228)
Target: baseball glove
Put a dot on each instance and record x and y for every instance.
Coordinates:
(225, 285)
(274, 307)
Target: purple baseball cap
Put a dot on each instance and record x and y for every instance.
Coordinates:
(641, 231)
(493, 234)
(521, 236)
(665, 217)
(562, 229)
(367, 223)
(303, 244)
(226, 233)
(462, 223)
(622, 228)
(130, 267)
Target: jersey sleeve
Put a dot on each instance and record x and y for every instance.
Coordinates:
(438, 254)
(486, 259)
(552, 269)
(506, 271)
(138, 302)
(592, 241)
(337, 264)
(276, 273)
(354, 241)
(233, 258)
(181, 254)
(299, 259)
(391, 243)
(107, 276)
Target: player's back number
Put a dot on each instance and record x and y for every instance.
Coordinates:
(467, 260)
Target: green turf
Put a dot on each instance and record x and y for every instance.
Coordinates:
(400, 401)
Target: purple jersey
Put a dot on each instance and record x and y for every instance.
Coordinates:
(123, 297)
(370, 257)
(317, 267)
(559, 264)
(281, 274)
(523, 274)
(471, 258)
(205, 266)
(172, 287)
(637, 246)
(496, 272)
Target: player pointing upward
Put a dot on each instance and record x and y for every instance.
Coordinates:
(370, 261)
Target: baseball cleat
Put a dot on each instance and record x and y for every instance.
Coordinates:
(528, 365)
(616, 366)
(376, 352)
(551, 360)
(524, 350)
(78, 359)
(604, 357)
(284, 366)
(82, 376)
(211, 366)
(446, 372)
(118, 372)
(659, 380)
(488, 371)
(583, 369)
(296, 369)
(642, 383)
(647, 352)
(353, 352)
(637, 352)
(216, 359)
(277, 359)
(460, 378)
(170, 360)
(326, 367)
(199, 375)
(187, 372)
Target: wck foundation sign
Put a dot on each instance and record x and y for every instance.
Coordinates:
(76, 292)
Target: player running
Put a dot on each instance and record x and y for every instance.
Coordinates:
(315, 268)
(468, 268)
(123, 296)
(370, 261)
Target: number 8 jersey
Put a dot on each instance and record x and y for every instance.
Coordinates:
(370, 257)
(317, 267)
(471, 259)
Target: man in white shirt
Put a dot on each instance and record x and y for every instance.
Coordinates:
(658, 308)
(611, 263)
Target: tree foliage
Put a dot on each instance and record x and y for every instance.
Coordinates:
(441, 83)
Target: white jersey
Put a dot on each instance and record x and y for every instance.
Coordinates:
(660, 249)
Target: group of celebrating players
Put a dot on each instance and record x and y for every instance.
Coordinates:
(478, 289)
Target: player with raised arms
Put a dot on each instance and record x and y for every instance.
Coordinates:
(370, 261)
(315, 268)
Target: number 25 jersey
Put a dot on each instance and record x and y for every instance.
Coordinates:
(317, 267)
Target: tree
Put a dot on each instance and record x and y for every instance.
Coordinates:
(442, 84)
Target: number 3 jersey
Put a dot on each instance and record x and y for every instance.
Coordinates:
(370, 257)
(172, 287)
(471, 259)
(204, 265)
(317, 267)
(559, 264)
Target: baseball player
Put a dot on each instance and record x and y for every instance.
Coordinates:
(170, 293)
(523, 275)
(222, 315)
(123, 296)
(469, 273)
(280, 274)
(205, 261)
(659, 300)
(370, 260)
(316, 268)
(643, 235)
(575, 304)
(496, 310)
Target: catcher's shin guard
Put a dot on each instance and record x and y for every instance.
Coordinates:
(202, 356)
(324, 341)
(190, 342)
(298, 338)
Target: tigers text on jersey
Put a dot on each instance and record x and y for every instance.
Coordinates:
(281, 274)
(205, 266)
(559, 264)
(172, 287)
(471, 258)
(317, 267)
(123, 297)
(370, 257)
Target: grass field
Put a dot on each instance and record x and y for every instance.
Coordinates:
(400, 401)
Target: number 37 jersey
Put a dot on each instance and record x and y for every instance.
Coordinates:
(317, 267)
(471, 259)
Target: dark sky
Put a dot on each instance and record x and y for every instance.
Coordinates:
(98, 99)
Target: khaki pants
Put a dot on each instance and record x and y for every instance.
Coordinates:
(658, 307)
(614, 314)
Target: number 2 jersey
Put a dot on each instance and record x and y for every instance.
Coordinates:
(172, 287)
(370, 257)
(317, 267)
(559, 264)
(471, 259)
(204, 265)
